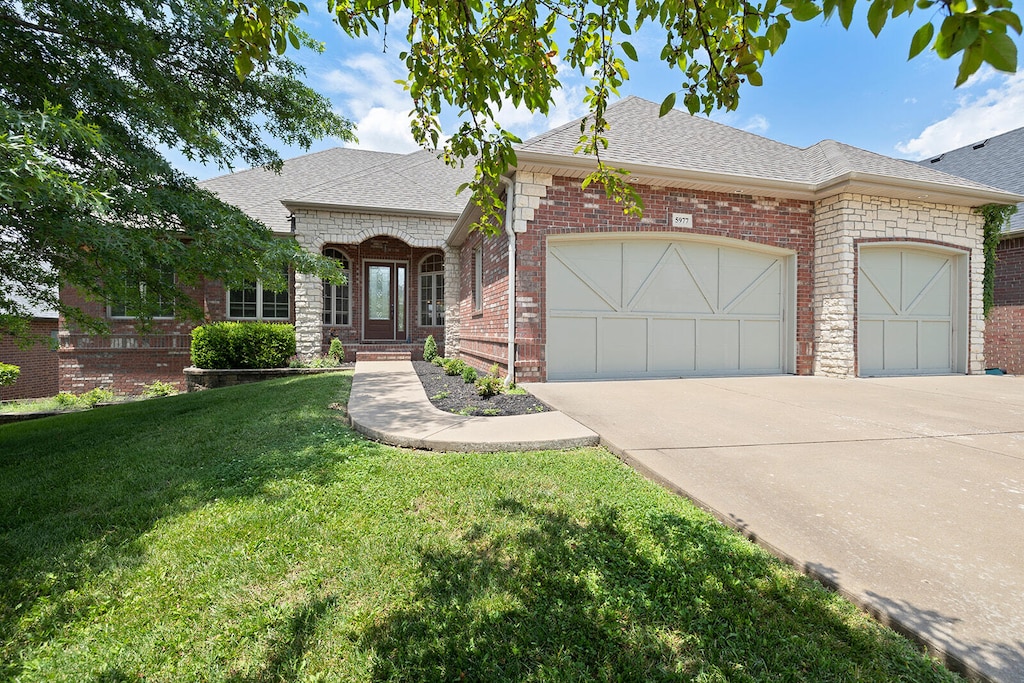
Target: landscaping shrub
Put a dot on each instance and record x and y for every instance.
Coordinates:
(453, 367)
(159, 388)
(336, 350)
(429, 349)
(468, 375)
(8, 374)
(65, 400)
(438, 361)
(489, 385)
(222, 346)
(94, 396)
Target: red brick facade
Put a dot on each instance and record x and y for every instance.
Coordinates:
(125, 361)
(387, 249)
(1004, 329)
(38, 363)
(784, 223)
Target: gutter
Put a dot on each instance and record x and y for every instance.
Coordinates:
(510, 199)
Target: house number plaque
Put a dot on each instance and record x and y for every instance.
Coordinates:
(682, 220)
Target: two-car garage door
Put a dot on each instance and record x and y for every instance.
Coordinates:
(623, 308)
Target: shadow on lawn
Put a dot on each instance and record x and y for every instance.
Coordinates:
(77, 490)
(552, 597)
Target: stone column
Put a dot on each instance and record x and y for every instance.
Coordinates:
(452, 295)
(834, 324)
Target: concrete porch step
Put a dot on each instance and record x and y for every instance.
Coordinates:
(383, 355)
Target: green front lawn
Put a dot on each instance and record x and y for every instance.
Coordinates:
(246, 534)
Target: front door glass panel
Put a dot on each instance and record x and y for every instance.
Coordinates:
(400, 299)
(380, 292)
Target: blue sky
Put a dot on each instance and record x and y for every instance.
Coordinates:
(824, 83)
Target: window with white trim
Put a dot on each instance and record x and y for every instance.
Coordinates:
(255, 302)
(432, 291)
(134, 295)
(337, 302)
(478, 279)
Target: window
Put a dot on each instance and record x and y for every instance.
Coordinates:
(253, 302)
(478, 280)
(432, 291)
(133, 296)
(336, 298)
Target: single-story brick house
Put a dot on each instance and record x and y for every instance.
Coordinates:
(752, 257)
(999, 161)
(37, 361)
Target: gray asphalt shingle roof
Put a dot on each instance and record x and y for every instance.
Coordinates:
(997, 161)
(681, 142)
(418, 182)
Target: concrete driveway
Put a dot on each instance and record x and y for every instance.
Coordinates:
(906, 494)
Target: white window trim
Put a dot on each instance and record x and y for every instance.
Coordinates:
(259, 306)
(348, 284)
(478, 279)
(433, 277)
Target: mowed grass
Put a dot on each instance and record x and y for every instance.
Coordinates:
(246, 534)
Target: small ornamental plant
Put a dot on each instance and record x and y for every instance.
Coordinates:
(491, 383)
(429, 349)
(336, 350)
(8, 374)
(468, 375)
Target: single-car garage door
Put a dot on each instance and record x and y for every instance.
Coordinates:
(624, 308)
(907, 306)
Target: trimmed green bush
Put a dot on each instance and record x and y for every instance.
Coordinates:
(489, 385)
(8, 374)
(94, 396)
(438, 361)
(223, 346)
(468, 375)
(336, 350)
(159, 388)
(453, 367)
(429, 349)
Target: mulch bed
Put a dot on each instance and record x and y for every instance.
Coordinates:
(451, 394)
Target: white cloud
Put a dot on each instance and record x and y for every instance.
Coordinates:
(977, 117)
(757, 124)
(385, 130)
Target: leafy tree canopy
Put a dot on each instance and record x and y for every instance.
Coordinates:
(472, 56)
(91, 93)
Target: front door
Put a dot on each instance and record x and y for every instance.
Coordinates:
(385, 309)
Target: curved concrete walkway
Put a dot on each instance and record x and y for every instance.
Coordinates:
(388, 404)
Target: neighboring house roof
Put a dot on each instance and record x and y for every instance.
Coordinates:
(418, 183)
(998, 161)
(258, 192)
(36, 310)
(690, 151)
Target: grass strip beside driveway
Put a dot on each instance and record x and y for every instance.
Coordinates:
(246, 534)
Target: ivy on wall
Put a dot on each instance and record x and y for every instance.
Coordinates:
(996, 216)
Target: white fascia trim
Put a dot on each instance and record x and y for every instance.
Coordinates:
(378, 210)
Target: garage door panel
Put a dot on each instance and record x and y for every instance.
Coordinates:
(672, 346)
(759, 345)
(572, 347)
(900, 350)
(622, 344)
(871, 301)
(761, 297)
(934, 344)
(906, 310)
(702, 261)
(718, 346)
(672, 289)
(935, 300)
(883, 268)
(671, 317)
(871, 339)
(571, 292)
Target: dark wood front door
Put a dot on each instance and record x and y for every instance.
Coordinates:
(384, 312)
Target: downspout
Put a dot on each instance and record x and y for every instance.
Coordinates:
(510, 199)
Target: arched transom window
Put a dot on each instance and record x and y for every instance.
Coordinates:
(337, 303)
(432, 291)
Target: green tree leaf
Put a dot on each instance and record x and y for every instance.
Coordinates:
(922, 39)
(667, 104)
(999, 50)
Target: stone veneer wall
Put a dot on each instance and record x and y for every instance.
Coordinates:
(845, 220)
(316, 228)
